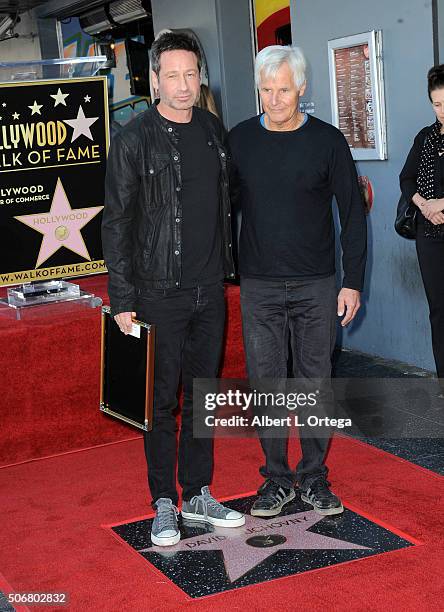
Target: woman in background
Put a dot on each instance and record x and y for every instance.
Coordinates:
(422, 182)
(206, 100)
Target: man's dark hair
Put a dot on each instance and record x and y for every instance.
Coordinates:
(171, 41)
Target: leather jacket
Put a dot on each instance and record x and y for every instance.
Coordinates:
(141, 229)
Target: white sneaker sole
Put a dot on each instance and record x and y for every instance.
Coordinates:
(323, 511)
(165, 541)
(190, 516)
(274, 511)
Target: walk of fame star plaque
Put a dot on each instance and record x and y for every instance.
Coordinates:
(53, 148)
(210, 560)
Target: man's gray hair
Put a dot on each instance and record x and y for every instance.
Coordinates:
(270, 59)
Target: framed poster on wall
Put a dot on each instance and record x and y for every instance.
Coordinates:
(53, 149)
(357, 93)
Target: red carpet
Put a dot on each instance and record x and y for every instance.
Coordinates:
(50, 361)
(53, 509)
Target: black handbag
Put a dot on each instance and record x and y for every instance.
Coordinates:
(406, 219)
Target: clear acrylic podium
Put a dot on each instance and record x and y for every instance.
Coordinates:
(21, 299)
(59, 68)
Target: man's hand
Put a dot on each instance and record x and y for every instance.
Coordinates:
(349, 303)
(125, 321)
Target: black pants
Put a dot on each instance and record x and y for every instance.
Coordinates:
(189, 333)
(302, 314)
(431, 262)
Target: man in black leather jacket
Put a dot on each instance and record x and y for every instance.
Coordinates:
(167, 245)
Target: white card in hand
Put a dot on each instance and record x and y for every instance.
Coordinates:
(135, 331)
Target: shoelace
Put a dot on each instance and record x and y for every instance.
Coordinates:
(167, 516)
(320, 483)
(208, 501)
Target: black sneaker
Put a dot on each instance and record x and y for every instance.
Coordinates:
(321, 498)
(272, 498)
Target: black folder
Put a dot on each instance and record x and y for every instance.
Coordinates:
(127, 372)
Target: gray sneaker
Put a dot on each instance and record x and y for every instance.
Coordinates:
(164, 530)
(208, 510)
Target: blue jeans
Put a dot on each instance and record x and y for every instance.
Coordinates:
(276, 315)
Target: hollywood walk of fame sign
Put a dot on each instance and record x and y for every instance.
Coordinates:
(210, 560)
(53, 147)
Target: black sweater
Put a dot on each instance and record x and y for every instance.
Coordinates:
(284, 183)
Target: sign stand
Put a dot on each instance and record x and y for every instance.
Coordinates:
(47, 292)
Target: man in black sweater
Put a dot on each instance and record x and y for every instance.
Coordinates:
(167, 243)
(287, 167)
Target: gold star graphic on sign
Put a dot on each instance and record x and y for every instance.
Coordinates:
(59, 97)
(81, 125)
(16, 116)
(35, 108)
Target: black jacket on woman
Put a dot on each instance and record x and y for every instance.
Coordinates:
(409, 173)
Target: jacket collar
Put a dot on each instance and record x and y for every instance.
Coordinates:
(168, 128)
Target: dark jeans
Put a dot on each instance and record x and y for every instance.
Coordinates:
(431, 262)
(302, 314)
(189, 333)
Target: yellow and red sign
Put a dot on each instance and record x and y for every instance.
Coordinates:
(273, 23)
